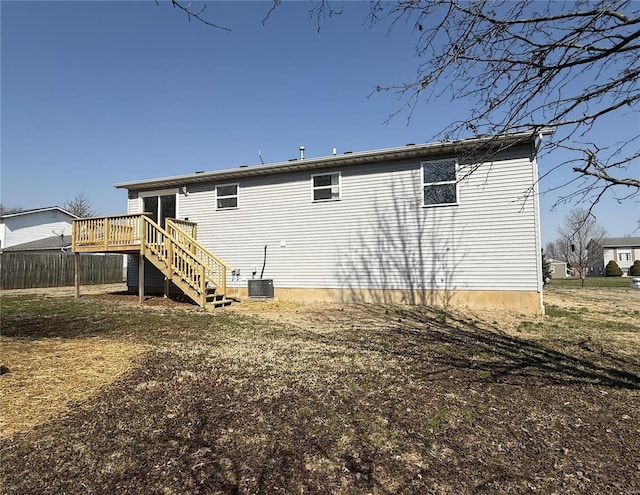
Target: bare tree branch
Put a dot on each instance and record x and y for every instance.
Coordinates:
(194, 14)
(523, 65)
(527, 65)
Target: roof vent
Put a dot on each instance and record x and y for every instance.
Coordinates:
(348, 152)
(410, 144)
(199, 171)
(301, 152)
(244, 166)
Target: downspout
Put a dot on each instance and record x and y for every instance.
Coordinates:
(536, 209)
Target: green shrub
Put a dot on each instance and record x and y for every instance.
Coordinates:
(612, 269)
(634, 271)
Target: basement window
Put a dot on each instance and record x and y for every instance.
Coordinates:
(226, 196)
(325, 187)
(439, 184)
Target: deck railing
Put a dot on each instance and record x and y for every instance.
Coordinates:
(174, 260)
(109, 233)
(190, 228)
(174, 251)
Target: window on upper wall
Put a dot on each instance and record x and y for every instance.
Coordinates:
(325, 187)
(226, 196)
(439, 184)
(624, 254)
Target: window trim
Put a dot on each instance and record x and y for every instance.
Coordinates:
(316, 188)
(236, 195)
(425, 184)
(627, 254)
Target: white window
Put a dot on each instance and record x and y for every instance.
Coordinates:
(325, 187)
(226, 196)
(439, 184)
(624, 254)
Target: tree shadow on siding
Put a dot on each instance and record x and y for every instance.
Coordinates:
(405, 249)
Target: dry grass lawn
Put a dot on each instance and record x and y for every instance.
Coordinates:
(277, 397)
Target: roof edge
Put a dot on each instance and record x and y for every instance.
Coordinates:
(502, 141)
(40, 210)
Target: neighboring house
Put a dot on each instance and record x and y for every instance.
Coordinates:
(35, 225)
(408, 224)
(53, 244)
(623, 250)
(558, 269)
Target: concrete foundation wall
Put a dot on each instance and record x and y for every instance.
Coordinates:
(527, 302)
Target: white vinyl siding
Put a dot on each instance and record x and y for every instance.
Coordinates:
(378, 235)
(33, 226)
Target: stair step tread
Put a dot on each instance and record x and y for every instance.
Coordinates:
(212, 298)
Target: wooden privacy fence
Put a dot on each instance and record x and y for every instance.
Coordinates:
(26, 270)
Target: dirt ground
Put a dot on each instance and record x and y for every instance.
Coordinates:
(281, 397)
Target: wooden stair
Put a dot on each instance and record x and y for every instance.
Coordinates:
(174, 251)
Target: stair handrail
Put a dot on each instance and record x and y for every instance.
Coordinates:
(179, 260)
(215, 268)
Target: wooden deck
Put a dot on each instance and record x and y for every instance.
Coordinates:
(175, 251)
(118, 234)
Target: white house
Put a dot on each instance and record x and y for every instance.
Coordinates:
(448, 222)
(52, 223)
(623, 250)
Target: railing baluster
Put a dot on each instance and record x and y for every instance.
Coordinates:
(177, 247)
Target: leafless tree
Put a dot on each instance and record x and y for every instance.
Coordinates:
(80, 206)
(530, 65)
(580, 237)
(557, 250)
(524, 66)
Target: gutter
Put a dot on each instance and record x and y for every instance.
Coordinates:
(489, 143)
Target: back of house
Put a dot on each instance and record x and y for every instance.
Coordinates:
(441, 223)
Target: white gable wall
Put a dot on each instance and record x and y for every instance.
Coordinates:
(33, 226)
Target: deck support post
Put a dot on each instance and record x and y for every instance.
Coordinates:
(76, 263)
(141, 278)
(167, 281)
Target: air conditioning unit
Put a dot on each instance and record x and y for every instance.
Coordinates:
(261, 288)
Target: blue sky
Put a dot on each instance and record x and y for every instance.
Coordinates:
(95, 93)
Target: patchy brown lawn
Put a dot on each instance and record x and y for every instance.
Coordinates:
(46, 375)
(276, 397)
